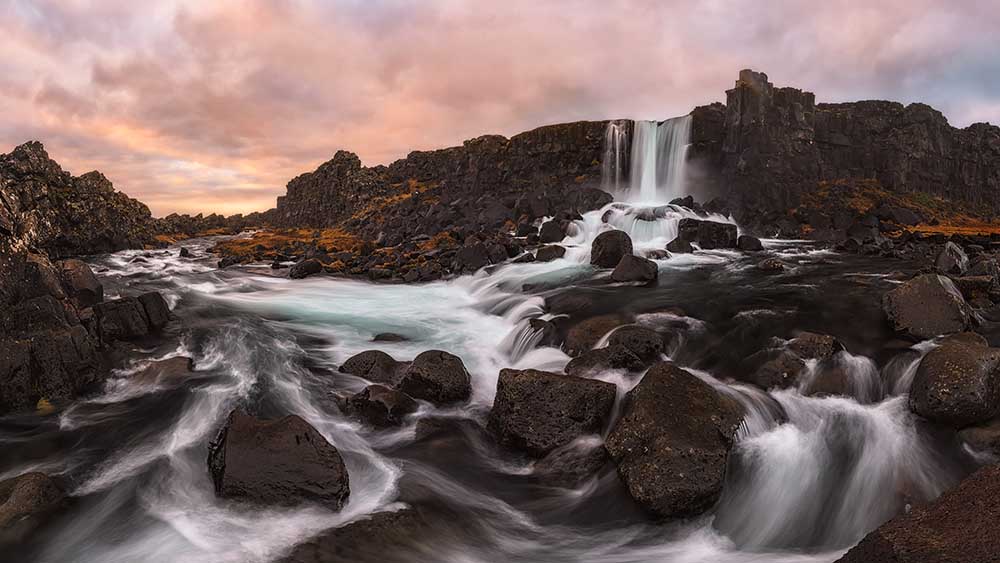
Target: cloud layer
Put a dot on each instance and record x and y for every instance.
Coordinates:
(213, 106)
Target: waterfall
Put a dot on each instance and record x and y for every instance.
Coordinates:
(658, 160)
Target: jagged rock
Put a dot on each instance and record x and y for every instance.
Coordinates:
(25, 501)
(609, 357)
(609, 247)
(552, 231)
(381, 406)
(276, 462)
(747, 243)
(585, 334)
(537, 411)
(957, 527)
(707, 234)
(644, 342)
(81, 283)
(437, 377)
(375, 366)
(633, 268)
(305, 268)
(672, 443)
(926, 306)
(958, 383)
(680, 246)
(129, 318)
(952, 260)
(549, 253)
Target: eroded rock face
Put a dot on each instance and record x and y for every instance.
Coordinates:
(958, 383)
(537, 412)
(957, 527)
(926, 306)
(609, 247)
(672, 442)
(81, 283)
(438, 377)
(279, 462)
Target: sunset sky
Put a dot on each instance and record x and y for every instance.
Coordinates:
(213, 106)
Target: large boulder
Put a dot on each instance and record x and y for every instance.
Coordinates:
(958, 527)
(375, 366)
(644, 342)
(437, 377)
(131, 317)
(550, 252)
(633, 268)
(707, 234)
(396, 535)
(680, 246)
(779, 372)
(747, 243)
(926, 306)
(952, 260)
(81, 283)
(381, 406)
(958, 383)
(276, 462)
(537, 412)
(571, 464)
(672, 443)
(552, 231)
(305, 268)
(24, 501)
(609, 247)
(610, 357)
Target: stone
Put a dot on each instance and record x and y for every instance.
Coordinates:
(184, 253)
(817, 346)
(171, 371)
(633, 268)
(680, 246)
(584, 335)
(25, 500)
(607, 358)
(121, 319)
(550, 253)
(280, 462)
(375, 366)
(609, 247)
(396, 534)
(305, 268)
(156, 309)
(747, 243)
(957, 383)
(772, 265)
(536, 411)
(437, 377)
(471, 258)
(952, 260)
(672, 442)
(926, 306)
(572, 464)
(983, 437)
(389, 337)
(81, 283)
(552, 231)
(645, 343)
(380, 406)
(707, 234)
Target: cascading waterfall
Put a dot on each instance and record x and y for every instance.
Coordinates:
(657, 167)
(615, 150)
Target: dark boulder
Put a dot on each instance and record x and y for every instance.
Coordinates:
(276, 462)
(780, 372)
(609, 247)
(389, 337)
(707, 234)
(633, 268)
(680, 246)
(609, 357)
(184, 253)
(397, 536)
(985, 267)
(305, 268)
(375, 366)
(537, 412)
(471, 258)
(381, 406)
(81, 283)
(437, 377)
(926, 306)
(156, 309)
(571, 464)
(129, 318)
(584, 335)
(672, 443)
(747, 243)
(25, 501)
(952, 260)
(817, 346)
(644, 342)
(958, 383)
(772, 265)
(958, 527)
(983, 437)
(171, 371)
(552, 231)
(549, 253)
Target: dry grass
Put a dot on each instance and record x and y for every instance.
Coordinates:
(334, 240)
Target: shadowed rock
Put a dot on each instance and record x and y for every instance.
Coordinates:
(438, 377)
(375, 366)
(609, 357)
(305, 269)
(926, 306)
(609, 247)
(958, 383)
(381, 406)
(633, 268)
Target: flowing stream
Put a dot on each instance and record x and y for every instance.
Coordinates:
(809, 475)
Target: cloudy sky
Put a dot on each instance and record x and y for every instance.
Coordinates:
(214, 105)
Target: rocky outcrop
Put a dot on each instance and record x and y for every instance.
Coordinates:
(276, 462)
(707, 234)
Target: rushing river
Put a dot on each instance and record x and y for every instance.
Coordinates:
(809, 476)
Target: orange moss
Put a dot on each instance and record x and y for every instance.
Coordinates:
(374, 209)
(440, 240)
(333, 240)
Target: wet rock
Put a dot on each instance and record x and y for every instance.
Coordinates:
(609, 247)
(40, 278)
(395, 533)
(584, 335)
(552, 231)
(747, 243)
(645, 343)
(957, 527)
(536, 411)
(680, 246)
(958, 383)
(389, 337)
(952, 260)
(812, 345)
(381, 406)
(986, 267)
(983, 437)
(471, 258)
(609, 357)
(127, 318)
(550, 253)
(184, 253)
(547, 331)
(305, 268)
(976, 287)
(707, 234)
(569, 303)
(633, 268)
(25, 501)
(572, 464)
(437, 377)
(156, 309)
(657, 254)
(524, 258)
(772, 265)
(672, 443)
(375, 366)
(81, 283)
(926, 306)
(780, 372)
(276, 462)
(173, 370)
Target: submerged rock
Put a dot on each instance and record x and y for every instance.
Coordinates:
(276, 462)
(394, 533)
(609, 247)
(550, 253)
(958, 383)
(926, 306)
(537, 411)
(644, 342)
(680, 246)
(437, 377)
(747, 243)
(584, 335)
(672, 442)
(573, 463)
(952, 260)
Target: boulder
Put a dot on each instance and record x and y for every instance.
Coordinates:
(633, 268)
(672, 442)
(584, 335)
(81, 283)
(986, 267)
(276, 462)
(747, 243)
(571, 464)
(552, 231)
(609, 357)
(389, 337)
(983, 437)
(397, 536)
(156, 309)
(380, 406)
(184, 253)
(926, 306)
(609, 247)
(680, 246)
(952, 260)
(958, 527)
(537, 412)
(121, 319)
(471, 258)
(24, 500)
(645, 343)
(958, 383)
(771, 265)
(549, 253)
(707, 234)
(437, 377)
(173, 370)
(817, 346)
(780, 372)
(305, 268)
(375, 366)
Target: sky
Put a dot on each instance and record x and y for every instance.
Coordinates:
(212, 106)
